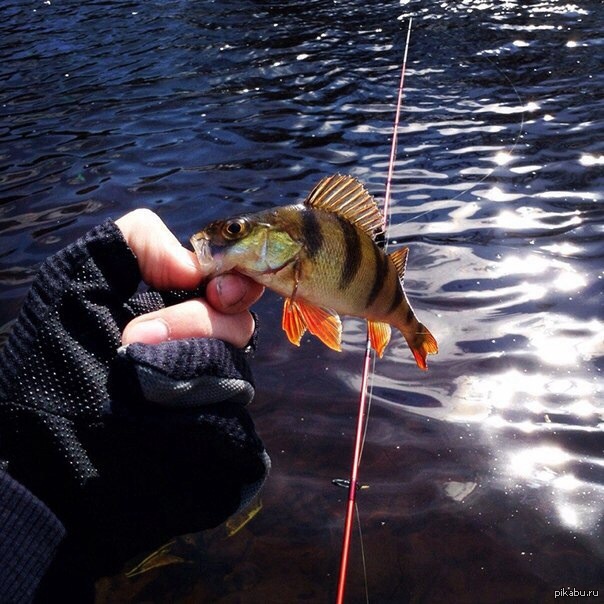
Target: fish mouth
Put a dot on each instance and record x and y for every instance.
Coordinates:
(201, 245)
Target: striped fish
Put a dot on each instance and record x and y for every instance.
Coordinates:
(324, 258)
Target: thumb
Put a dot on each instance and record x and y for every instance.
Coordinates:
(163, 262)
(190, 319)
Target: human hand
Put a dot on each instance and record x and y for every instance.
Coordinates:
(165, 264)
(131, 438)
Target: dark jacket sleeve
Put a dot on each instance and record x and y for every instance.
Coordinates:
(29, 536)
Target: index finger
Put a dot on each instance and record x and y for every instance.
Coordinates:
(165, 264)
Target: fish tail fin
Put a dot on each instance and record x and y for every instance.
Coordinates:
(418, 336)
(423, 344)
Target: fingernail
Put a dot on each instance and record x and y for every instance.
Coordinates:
(230, 290)
(152, 331)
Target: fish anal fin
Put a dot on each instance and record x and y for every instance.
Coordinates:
(399, 259)
(293, 322)
(379, 336)
(321, 322)
(347, 197)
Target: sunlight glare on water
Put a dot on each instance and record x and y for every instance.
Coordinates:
(207, 109)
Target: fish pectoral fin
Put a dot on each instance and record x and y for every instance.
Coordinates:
(379, 336)
(299, 315)
(323, 323)
(293, 322)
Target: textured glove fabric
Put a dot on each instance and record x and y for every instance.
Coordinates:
(30, 534)
(126, 445)
(186, 373)
(55, 364)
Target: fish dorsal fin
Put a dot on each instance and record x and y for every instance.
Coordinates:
(399, 259)
(348, 198)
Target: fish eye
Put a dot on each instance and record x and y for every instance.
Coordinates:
(233, 229)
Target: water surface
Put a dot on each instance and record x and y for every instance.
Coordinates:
(485, 474)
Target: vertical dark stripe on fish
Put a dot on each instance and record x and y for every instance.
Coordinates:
(311, 231)
(353, 254)
(410, 316)
(381, 272)
(397, 298)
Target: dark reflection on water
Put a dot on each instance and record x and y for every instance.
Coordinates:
(485, 475)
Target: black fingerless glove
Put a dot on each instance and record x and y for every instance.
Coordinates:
(128, 446)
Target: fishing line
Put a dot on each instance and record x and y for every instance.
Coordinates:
(356, 509)
(364, 398)
(365, 394)
(369, 401)
(515, 143)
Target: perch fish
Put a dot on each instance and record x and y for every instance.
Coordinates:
(324, 258)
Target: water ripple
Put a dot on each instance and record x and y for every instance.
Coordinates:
(199, 110)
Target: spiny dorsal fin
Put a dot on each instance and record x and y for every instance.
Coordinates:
(399, 258)
(348, 198)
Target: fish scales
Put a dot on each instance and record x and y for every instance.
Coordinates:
(322, 257)
(348, 269)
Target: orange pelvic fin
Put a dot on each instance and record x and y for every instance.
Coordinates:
(379, 336)
(292, 322)
(424, 344)
(324, 323)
